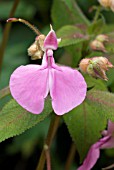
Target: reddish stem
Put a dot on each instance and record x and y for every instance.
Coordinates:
(6, 33)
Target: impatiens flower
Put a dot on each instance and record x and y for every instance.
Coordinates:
(94, 152)
(31, 84)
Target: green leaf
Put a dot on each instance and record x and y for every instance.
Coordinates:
(84, 125)
(103, 103)
(96, 28)
(26, 142)
(75, 53)
(14, 120)
(97, 84)
(70, 35)
(86, 121)
(68, 13)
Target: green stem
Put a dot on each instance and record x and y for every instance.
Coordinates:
(70, 157)
(51, 133)
(6, 32)
(97, 14)
(4, 92)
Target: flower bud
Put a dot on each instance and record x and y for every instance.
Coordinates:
(40, 40)
(36, 50)
(95, 70)
(96, 67)
(112, 5)
(84, 64)
(102, 38)
(105, 3)
(97, 46)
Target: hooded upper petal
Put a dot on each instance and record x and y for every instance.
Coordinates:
(29, 87)
(50, 41)
(67, 88)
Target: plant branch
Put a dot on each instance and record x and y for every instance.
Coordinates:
(4, 92)
(51, 133)
(70, 157)
(97, 14)
(47, 155)
(6, 33)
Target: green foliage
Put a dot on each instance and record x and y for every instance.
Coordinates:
(103, 103)
(95, 28)
(75, 53)
(69, 19)
(84, 125)
(68, 13)
(95, 84)
(26, 142)
(70, 35)
(20, 12)
(14, 120)
(87, 120)
(16, 51)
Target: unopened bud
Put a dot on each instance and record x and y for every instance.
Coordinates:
(97, 46)
(105, 3)
(103, 62)
(112, 5)
(102, 38)
(95, 70)
(40, 39)
(36, 50)
(84, 64)
(96, 67)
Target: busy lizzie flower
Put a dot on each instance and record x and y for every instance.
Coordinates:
(94, 152)
(31, 84)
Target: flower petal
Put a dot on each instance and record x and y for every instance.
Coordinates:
(67, 89)
(50, 41)
(109, 143)
(110, 129)
(93, 155)
(29, 87)
(109, 133)
(91, 158)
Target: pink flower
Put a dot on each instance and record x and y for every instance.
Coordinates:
(94, 152)
(31, 84)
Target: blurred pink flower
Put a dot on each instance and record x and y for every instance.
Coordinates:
(31, 84)
(94, 152)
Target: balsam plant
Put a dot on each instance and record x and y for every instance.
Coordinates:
(80, 93)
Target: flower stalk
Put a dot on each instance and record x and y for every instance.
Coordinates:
(50, 136)
(6, 33)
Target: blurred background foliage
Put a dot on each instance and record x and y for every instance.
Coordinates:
(22, 152)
